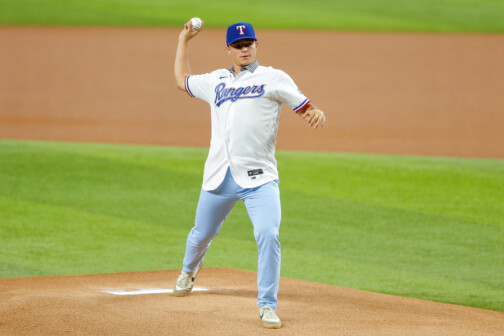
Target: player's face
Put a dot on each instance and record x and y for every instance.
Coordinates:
(243, 52)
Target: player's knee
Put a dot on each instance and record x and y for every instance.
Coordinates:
(266, 235)
(201, 238)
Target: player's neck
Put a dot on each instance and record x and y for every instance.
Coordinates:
(237, 68)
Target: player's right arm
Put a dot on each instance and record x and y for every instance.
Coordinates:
(182, 67)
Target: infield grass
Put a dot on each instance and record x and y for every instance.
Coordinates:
(429, 228)
(363, 15)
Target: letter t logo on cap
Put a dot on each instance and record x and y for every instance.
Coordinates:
(240, 28)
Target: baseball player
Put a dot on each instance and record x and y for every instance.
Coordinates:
(245, 102)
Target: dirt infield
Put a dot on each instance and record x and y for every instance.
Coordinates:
(76, 305)
(383, 93)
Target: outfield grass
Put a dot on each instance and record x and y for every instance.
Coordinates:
(364, 15)
(429, 228)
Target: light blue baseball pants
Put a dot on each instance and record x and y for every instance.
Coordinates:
(263, 207)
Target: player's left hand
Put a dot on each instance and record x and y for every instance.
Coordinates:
(315, 117)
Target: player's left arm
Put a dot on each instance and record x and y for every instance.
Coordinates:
(315, 117)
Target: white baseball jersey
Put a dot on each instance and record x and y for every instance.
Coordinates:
(245, 111)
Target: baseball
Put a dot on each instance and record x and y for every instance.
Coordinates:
(197, 23)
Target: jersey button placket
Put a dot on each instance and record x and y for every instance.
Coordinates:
(230, 116)
(228, 125)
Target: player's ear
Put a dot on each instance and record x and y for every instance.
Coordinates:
(228, 50)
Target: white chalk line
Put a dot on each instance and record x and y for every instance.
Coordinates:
(145, 291)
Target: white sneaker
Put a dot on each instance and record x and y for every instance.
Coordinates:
(269, 318)
(185, 282)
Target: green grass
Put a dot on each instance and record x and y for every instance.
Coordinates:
(363, 15)
(430, 228)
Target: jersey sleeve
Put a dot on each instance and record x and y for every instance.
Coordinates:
(288, 93)
(199, 86)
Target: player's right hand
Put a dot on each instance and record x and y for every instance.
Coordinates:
(188, 33)
(315, 118)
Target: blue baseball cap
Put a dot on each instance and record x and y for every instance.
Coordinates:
(240, 31)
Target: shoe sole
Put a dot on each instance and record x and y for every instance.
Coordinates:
(182, 293)
(271, 325)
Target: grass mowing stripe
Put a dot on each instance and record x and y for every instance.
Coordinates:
(421, 227)
(460, 188)
(121, 185)
(385, 15)
(389, 280)
(54, 240)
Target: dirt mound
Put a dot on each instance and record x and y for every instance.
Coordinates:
(78, 305)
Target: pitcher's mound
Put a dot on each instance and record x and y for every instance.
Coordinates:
(225, 304)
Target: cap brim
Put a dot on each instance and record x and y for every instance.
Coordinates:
(242, 38)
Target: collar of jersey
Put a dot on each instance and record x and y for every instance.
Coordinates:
(251, 67)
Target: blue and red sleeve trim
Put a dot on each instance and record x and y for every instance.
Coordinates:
(302, 105)
(186, 84)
